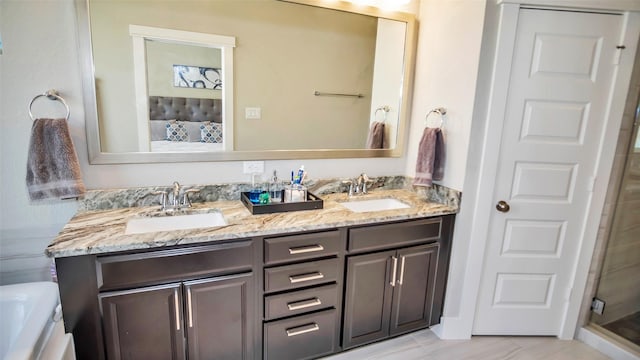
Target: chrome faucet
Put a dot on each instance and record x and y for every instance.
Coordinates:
(186, 202)
(163, 199)
(176, 202)
(351, 186)
(361, 183)
(357, 185)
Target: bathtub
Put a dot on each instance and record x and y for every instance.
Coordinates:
(30, 325)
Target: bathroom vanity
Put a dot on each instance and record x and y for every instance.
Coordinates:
(276, 286)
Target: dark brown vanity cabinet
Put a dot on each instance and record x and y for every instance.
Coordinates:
(390, 292)
(302, 282)
(195, 302)
(202, 319)
(289, 296)
(144, 323)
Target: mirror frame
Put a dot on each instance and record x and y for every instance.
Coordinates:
(96, 156)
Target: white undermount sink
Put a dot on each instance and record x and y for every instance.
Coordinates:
(142, 225)
(374, 205)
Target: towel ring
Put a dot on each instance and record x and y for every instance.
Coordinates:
(440, 111)
(384, 108)
(51, 95)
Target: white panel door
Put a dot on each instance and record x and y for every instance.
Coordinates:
(559, 89)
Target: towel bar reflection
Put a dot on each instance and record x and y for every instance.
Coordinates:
(318, 93)
(51, 95)
(440, 111)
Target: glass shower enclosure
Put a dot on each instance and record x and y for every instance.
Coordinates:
(616, 307)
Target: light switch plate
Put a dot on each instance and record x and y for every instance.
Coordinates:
(252, 113)
(597, 306)
(253, 167)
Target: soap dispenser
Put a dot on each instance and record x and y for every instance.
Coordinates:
(275, 189)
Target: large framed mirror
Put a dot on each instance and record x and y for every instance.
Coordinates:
(218, 80)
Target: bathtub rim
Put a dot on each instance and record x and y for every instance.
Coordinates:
(39, 321)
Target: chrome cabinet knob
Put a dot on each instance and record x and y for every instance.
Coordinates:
(503, 206)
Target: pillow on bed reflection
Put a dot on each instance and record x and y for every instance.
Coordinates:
(159, 130)
(176, 131)
(210, 132)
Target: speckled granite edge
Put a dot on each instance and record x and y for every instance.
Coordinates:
(109, 199)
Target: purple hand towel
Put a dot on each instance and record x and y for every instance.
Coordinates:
(53, 171)
(430, 164)
(375, 139)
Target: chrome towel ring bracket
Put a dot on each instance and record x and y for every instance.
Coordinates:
(440, 111)
(51, 95)
(384, 108)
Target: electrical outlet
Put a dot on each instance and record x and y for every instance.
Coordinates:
(253, 167)
(252, 113)
(597, 306)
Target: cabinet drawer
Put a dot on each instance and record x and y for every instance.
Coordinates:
(302, 301)
(155, 267)
(394, 235)
(304, 246)
(301, 337)
(300, 275)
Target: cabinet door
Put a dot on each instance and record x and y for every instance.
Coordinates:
(413, 293)
(219, 316)
(144, 323)
(368, 298)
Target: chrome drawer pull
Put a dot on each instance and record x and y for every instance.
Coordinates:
(302, 329)
(305, 249)
(395, 265)
(297, 305)
(305, 277)
(189, 307)
(177, 308)
(401, 271)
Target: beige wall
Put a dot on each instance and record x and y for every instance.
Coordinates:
(162, 56)
(284, 53)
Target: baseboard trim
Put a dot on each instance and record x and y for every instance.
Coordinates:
(451, 328)
(599, 341)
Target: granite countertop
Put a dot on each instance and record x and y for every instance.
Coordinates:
(103, 231)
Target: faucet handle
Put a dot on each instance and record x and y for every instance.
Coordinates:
(185, 197)
(350, 183)
(163, 198)
(365, 179)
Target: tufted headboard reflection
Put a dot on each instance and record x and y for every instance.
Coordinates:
(185, 109)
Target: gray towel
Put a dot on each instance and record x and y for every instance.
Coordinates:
(375, 139)
(53, 171)
(430, 164)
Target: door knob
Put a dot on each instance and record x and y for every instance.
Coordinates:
(503, 206)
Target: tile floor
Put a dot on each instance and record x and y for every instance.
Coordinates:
(426, 345)
(628, 327)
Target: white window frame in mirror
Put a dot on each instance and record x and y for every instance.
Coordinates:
(139, 34)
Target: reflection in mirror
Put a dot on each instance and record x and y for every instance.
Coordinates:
(286, 53)
(180, 107)
(176, 113)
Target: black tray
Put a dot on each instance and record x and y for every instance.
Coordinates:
(313, 202)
